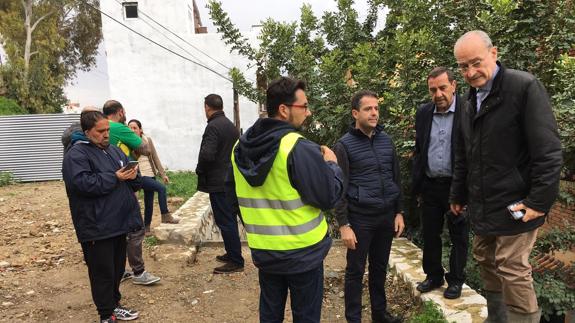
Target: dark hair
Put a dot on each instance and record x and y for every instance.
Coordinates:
(214, 101)
(137, 122)
(88, 119)
(356, 98)
(282, 91)
(439, 71)
(112, 107)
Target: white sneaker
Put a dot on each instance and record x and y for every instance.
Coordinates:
(145, 279)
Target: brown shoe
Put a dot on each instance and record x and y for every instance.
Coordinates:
(168, 218)
(148, 232)
(228, 268)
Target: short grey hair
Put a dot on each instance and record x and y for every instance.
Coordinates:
(480, 33)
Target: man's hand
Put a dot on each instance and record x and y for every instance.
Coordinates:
(399, 225)
(328, 154)
(530, 214)
(348, 237)
(456, 209)
(166, 179)
(123, 175)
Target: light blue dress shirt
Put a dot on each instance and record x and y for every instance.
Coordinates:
(483, 92)
(439, 152)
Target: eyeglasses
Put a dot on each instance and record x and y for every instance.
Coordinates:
(301, 106)
(464, 67)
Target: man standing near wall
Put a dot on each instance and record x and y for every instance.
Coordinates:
(435, 124)
(282, 182)
(508, 154)
(131, 144)
(370, 213)
(213, 163)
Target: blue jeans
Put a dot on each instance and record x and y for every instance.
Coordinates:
(150, 185)
(227, 222)
(306, 293)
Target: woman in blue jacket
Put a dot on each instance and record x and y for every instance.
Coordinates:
(104, 208)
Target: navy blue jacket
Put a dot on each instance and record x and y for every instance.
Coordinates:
(318, 183)
(101, 205)
(372, 175)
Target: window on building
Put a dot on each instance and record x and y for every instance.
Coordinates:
(130, 9)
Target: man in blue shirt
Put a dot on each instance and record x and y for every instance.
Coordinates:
(435, 122)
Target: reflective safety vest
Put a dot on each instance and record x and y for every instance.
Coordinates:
(274, 216)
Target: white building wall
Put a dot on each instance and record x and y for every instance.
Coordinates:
(165, 92)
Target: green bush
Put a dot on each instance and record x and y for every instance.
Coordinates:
(430, 314)
(10, 107)
(6, 178)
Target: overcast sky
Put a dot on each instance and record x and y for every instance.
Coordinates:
(91, 88)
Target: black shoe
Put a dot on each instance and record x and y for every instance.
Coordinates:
(230, 267)
(387, 318)
(453, 291)
(111, 319)
(428, 285)
(223, 258)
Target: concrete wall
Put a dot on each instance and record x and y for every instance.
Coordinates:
(162, 90)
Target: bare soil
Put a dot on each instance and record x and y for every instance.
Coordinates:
(43, 277)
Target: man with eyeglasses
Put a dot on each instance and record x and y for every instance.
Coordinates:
(370, 213)
(507, 166)
(281, 182)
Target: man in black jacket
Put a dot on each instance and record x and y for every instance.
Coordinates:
(370, 213)
(508, 154)
(213, 163)
(435, 125)
(104, 209)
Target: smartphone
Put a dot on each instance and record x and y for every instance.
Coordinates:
(131, 164)
(516, 214)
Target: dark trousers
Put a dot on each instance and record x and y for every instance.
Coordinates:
(135, 254)
(374, 237)
(435, 204)
(306, 294)
(151, 185)
(106, 260)
(227, 222)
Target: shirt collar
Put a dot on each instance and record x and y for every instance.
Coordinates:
(451, 107)
(489, 84)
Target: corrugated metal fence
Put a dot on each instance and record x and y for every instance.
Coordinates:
(31, 147)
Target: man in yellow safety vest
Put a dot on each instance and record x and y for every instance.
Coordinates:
(280, 183)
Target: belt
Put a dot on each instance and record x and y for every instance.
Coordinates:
(439, 180)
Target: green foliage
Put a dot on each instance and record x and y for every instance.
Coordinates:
(564, 103)
(151, 241)
(6, 178)
(182, 184)
(10, 107)
(430, 313)
(63, 37)
(553, 294)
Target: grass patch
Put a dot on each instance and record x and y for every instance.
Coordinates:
(182, 184)
(430, 313)
(150, 241)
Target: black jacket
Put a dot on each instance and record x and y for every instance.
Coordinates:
(371, 195)
(215, 153)
(423, 122)
(318, 183)
(506, 152)
(101, 205)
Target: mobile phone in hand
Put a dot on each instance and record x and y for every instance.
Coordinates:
(516, 214)
(131, 164)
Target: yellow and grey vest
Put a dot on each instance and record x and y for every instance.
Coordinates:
(274, 216)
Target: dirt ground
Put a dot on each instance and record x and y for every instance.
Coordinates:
(43, 277)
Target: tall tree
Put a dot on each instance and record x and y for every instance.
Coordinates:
(46, 42)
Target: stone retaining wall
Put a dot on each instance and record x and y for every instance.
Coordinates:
(197, 226)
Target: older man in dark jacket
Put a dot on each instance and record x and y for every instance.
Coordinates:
(508, 153)
(104, 208)
(213, 163)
